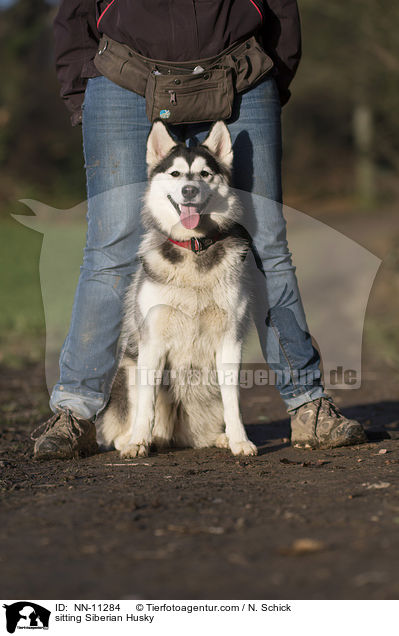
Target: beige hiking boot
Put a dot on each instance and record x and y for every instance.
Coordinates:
(64, 437)
(319, 424)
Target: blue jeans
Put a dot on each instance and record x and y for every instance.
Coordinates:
(115, 130)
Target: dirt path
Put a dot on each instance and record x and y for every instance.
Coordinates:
(203, 524)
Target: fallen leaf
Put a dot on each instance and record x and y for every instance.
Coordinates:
(377, 485)
(214, 530)
(303, 546)
(382, 451)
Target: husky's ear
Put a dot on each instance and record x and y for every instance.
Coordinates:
(218, 142)
(159, 144)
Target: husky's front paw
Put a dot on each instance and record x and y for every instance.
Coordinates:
(134, 450)
(243, 448)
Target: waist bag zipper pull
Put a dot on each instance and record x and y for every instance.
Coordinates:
(172, 97)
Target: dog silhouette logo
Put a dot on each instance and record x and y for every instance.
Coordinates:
(26, 615)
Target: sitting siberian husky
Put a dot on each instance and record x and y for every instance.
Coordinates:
(187, 308)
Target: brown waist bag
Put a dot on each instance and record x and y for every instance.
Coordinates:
(185, 92)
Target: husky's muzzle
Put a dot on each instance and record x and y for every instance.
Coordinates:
(189, 212)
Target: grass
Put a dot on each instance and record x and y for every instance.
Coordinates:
(22, 315)
(22, 324)
(21, 302)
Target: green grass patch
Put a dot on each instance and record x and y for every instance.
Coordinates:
(22, 316)
(21, 300)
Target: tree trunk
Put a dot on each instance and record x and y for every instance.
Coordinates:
(363, 142)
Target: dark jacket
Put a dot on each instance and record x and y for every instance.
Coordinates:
(174, 30)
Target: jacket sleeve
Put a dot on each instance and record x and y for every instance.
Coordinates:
(76, 39)
(281, 35)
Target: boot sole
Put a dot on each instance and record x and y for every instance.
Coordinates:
(353, 441)
(75, 455)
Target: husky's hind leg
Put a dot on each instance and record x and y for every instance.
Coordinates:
(165, 419)
(222, 441)
(112, 425)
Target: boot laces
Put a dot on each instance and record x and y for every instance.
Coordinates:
(73, 425)
(327, 406)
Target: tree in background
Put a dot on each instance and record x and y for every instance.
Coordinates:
(341, 127)
(39, 154)
(343, 117)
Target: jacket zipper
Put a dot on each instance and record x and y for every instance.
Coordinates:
(258, 7)
(196, 28)
(104, 12)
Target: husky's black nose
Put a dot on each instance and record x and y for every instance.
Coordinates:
(189, 192)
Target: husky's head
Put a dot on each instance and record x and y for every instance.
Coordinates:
(188, 193)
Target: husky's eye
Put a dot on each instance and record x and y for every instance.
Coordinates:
(175, 173)
(204, 173)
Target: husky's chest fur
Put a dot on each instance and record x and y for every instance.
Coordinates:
(194, 298)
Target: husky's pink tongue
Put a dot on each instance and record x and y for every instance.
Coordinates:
(189, 216)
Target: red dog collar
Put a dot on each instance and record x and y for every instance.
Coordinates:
(197, 245)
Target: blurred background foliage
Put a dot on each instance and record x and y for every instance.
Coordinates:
(40, 155)
(345, 99)
(341, 144)
(342, 128)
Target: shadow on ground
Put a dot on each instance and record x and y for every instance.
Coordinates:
(378, 419)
